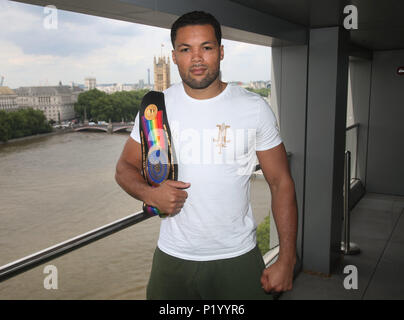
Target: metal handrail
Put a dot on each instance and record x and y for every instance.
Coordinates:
(19, 266)
(355, 125)
(347, 247)
(271, 255)
(355, 146)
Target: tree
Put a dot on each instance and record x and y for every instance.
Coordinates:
(5, 128)
(17, 123)
(86, 101)
(264, 92)
(103, 109)
(263, 236)
(118, 106)
(21, 123)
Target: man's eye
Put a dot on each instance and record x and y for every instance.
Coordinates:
(184, 50)
(207, 48)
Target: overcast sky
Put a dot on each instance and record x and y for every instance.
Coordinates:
(112, 51)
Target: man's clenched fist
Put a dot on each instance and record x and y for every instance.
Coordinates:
(169, 197)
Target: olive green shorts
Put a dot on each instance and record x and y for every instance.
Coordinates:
(234, 278)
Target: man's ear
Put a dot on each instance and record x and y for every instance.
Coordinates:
(221, 52)
(173, 56)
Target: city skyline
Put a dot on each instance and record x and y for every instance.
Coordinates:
(86, 46)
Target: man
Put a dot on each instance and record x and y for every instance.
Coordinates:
(207, 245)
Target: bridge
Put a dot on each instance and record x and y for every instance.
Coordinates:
(110, 128)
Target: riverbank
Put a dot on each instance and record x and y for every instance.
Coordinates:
(36, 136)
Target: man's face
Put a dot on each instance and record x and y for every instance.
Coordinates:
(197, 55)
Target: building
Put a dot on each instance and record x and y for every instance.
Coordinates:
(56, 102)
(161, 73)
(116, 87)
(8, 99)
(260, 84)
(90, 83)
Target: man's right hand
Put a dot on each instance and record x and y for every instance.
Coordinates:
(169, 197)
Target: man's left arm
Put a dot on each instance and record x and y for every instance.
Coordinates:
(274, 165)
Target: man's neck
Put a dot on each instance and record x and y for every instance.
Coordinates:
(214, 89)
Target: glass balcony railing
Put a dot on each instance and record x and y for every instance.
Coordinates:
(79, 268)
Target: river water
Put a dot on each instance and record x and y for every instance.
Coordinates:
(57, 187)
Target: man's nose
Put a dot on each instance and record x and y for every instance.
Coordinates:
(196, 55)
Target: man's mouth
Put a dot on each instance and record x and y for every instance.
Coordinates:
(198, 70)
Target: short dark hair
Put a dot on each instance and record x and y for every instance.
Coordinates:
(196, 18)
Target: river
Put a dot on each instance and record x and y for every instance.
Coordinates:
(57, 187)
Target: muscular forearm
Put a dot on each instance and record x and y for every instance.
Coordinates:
(131, 180)
(285, 214)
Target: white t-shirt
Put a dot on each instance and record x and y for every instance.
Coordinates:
(215, 141)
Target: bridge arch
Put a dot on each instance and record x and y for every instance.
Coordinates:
(122, 128)
(95, 128)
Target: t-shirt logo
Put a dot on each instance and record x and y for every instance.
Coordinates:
(221, 137)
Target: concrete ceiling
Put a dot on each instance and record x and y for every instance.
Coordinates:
(238, 22)
(265, 22)
(380, 23)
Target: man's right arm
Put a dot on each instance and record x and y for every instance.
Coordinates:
(169, 197)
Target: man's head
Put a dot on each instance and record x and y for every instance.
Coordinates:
(196, 18)
(196, 38)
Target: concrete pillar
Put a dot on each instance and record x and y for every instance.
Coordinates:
(384, 172)
(288, 100)
(325, 146)
(109, 127)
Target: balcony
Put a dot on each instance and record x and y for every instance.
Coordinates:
(310, 57)
(377, 226)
